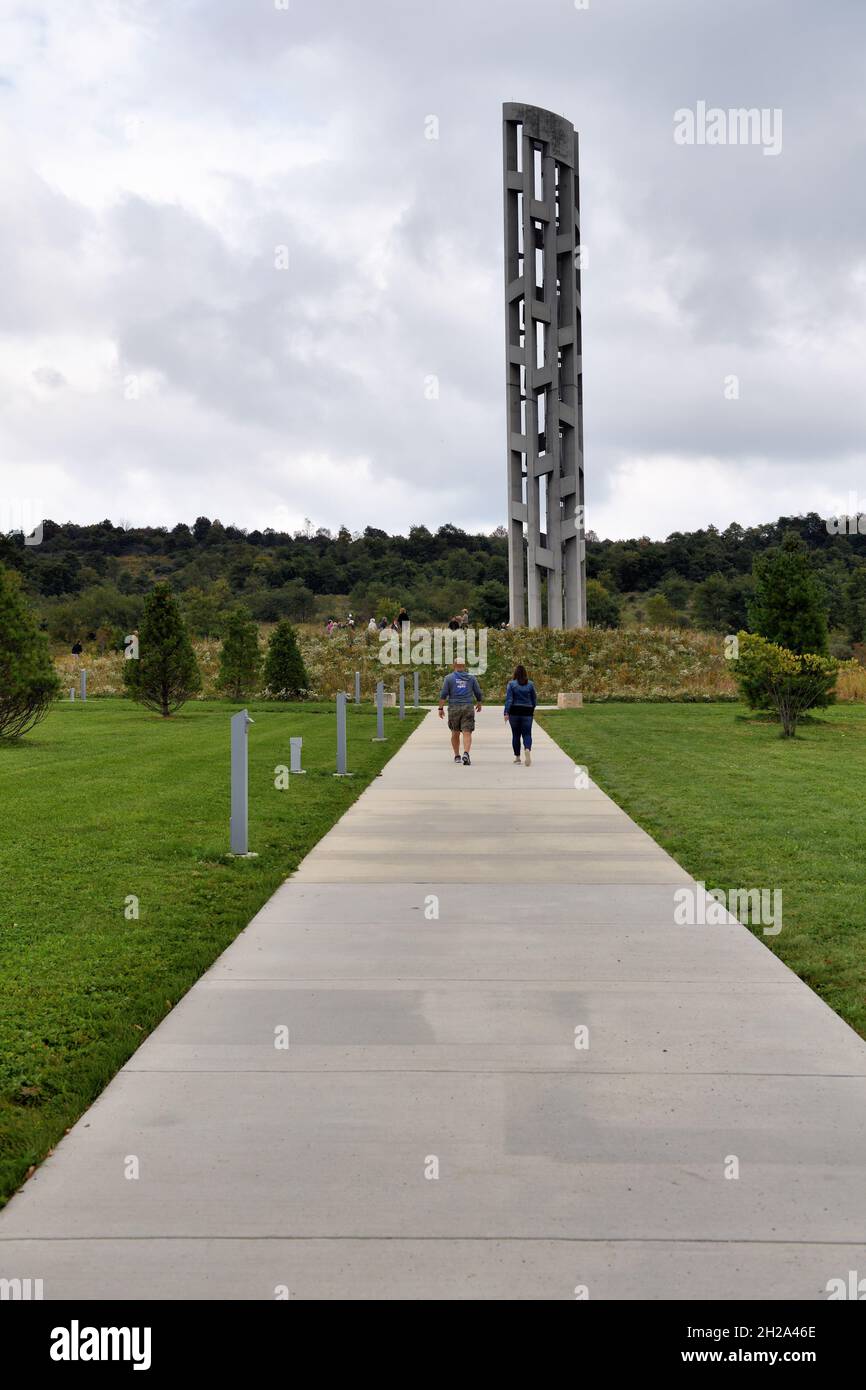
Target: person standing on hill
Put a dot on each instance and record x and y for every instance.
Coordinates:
(520, 702)
(463, 693)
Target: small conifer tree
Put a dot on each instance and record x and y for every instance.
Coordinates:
(165, 674)
(240, 659)
(787, 606)
(285, 674)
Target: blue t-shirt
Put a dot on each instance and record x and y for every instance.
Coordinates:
(461, 688)
(520, 697)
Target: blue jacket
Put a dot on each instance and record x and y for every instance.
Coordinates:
(461, 688)
(520, 698)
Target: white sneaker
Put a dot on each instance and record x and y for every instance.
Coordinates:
(527, 757)
(517, 762)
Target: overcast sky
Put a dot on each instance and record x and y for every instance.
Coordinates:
(157, 363)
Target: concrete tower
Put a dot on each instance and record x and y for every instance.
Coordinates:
(543, 368)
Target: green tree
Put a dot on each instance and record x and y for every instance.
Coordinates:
(28, 682)
(856, 605)
(285, 674)
(602, 608)
(240, 658)
(294, 601)
(206, 610)
(660, 612)
(787, 607)
(491, 602)
(771, 677)
(165, 674)
(676, 590)
(712, 603)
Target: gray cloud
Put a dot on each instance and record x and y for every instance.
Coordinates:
(150, 182)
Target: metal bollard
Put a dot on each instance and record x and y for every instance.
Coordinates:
(72, 693)
(83, 684)
(380, 712)
(416, 689)
(357, 687)
(238, 826)
(402, 697)
(341, 736)
(295, 747)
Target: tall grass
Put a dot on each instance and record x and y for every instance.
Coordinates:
(623, 664)
(647, 663)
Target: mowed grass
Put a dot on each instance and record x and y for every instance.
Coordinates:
(740, 807)
(102, 801)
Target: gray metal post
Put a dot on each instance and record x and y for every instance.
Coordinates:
(357, 687)
(416, 689)
(72, 692)
(238, 828)
(295, 746)
(83, 684)
(380, 712)
(402, 697)
(341, 734)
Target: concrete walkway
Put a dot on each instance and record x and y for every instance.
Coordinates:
(432, 959)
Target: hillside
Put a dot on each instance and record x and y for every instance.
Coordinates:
(88, 582)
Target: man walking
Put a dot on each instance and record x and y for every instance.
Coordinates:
(463, 693)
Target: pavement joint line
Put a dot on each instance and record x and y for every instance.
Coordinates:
(476, 1071)
(566, 1240)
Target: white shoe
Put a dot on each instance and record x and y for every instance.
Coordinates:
(517, 762)
(527, 757)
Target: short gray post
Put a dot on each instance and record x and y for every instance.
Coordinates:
(72, 692)
(341, 736)
(380, 712)
(238, 828)
(402, 697)
(295, 745)
(357, 687)
(83, 684)
(416, 686)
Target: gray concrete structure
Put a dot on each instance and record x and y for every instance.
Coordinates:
(544, 390)
(432, 960)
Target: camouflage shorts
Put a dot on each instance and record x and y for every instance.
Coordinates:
(461, 719)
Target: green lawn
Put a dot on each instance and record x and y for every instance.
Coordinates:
(104, 800)
(740, 807)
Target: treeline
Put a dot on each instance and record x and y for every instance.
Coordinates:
(89, 582)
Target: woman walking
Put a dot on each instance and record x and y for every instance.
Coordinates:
(520, 702)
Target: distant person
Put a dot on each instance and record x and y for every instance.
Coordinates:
(372, 627)
(350, 621)
(77, 649)
(401, 618)
(454, 623)
(464, 618)
(520, 702)
(463, 693)
(383, 625)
